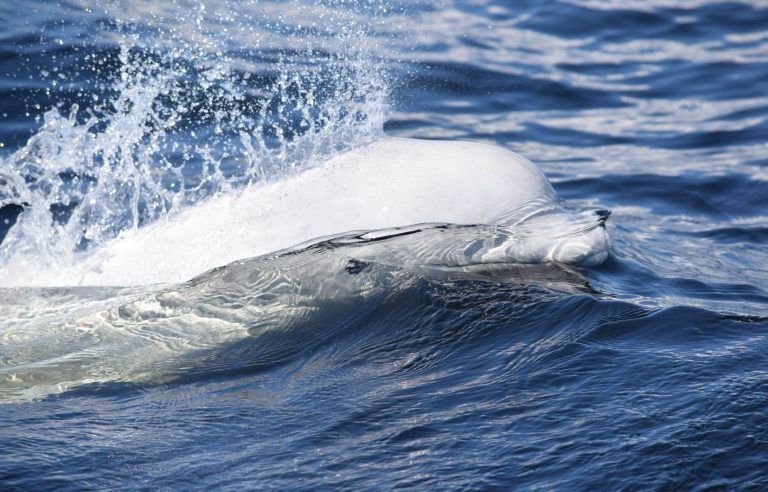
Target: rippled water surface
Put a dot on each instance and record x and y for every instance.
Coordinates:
(354, 362)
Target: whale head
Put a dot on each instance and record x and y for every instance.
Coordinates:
(554, 235)
(577, 238)
(583, 240)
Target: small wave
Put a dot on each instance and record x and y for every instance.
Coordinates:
(251, 315)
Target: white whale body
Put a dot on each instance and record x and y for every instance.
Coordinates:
(390, 183)
(343, 239)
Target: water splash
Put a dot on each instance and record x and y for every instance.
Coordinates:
(201, 99)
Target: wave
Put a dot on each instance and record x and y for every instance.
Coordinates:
(250, 315)
(352, 295)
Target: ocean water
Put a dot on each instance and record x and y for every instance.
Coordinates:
(347, 363)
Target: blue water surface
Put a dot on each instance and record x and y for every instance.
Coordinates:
(648, 372)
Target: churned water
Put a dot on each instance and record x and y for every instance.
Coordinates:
(352, 362)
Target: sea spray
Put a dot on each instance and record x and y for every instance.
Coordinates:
(199, 100)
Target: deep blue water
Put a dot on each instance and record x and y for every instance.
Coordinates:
(648, 372)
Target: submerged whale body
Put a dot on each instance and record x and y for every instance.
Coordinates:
(250, 315)
(390, 183)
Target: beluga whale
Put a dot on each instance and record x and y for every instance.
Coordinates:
(246, 279)
(496, 206)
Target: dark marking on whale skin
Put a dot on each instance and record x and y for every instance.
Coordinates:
(602, 216)
(355, 266)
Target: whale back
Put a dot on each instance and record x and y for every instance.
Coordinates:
(398, 182)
